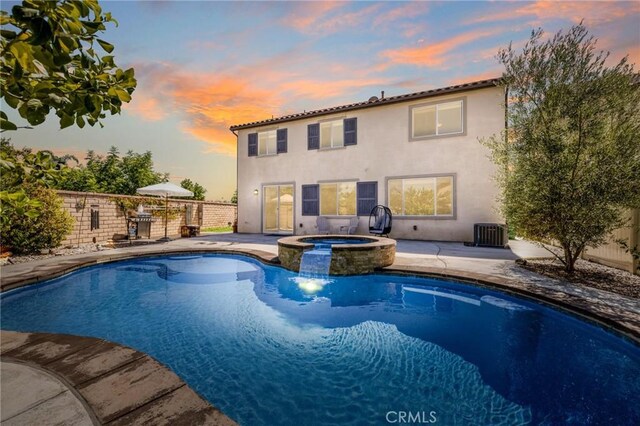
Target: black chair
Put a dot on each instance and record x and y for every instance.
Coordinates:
(380, 221)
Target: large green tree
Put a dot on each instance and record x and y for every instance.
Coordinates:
(197, 189)
(570, 161)
(113, 173)
(50, 60)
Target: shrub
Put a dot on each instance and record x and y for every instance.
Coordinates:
(32, 234)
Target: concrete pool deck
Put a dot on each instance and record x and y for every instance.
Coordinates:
(72, 380)
(163, 398)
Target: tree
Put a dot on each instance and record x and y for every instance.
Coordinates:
(234, 197)
(30, 234)
(569, 163)
(32, 217)
(48, 61)
(197, 189)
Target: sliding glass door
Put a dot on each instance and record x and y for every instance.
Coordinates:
(277, 209)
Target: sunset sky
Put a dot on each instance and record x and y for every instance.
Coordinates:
(203, 66)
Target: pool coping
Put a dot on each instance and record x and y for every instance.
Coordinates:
(116, 384)
(297, 241)
(623, 322)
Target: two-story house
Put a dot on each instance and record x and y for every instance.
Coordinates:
(419, 154)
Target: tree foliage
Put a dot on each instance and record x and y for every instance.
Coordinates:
(19, 168)
(197, 189)
(29, 233)
(112, 173)
(570, 163)
(234, 197)
(49, 60)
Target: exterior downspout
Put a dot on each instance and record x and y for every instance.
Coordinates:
(506, 136)
(235, 224)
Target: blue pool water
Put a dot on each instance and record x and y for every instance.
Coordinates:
(269, 347)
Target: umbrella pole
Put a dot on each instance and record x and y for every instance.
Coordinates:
(166, 217)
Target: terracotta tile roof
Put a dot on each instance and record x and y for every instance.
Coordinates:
(373, 102)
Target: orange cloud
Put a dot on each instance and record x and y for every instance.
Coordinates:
(591, 11)
(147, 108)
(209, 103)
(432, 54)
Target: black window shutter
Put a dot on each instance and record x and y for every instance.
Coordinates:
(95, 219)
(253, 144)
(313, 136)
(350, 131)
(310, 200)
(281, 138)
(367, 197)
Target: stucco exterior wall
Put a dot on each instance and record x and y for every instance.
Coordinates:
(384, 150)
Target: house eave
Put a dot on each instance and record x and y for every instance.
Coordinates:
(371, 104)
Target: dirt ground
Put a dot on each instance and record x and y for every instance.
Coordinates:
(589, 274)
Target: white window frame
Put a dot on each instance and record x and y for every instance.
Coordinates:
(435, 196)
(337, 212)
(264, 133)
(463, 119)
(333, 144)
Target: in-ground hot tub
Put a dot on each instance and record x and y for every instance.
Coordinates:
(350, 254)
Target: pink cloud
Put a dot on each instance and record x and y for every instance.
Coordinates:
(305, 15)
(591, 11)
(432, 54)
(407, 11)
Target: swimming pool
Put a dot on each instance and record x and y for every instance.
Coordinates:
(266, 346)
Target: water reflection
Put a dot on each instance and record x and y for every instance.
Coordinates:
(507, 340)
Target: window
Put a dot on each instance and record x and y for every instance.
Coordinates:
(421, 196)
(332, 134)
(338, 199)
(437, 119)
(267, 143)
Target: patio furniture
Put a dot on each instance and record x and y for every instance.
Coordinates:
(323, 225)
(380, 220)
(351, 227)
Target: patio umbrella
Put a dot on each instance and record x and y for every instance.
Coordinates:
(165, 189)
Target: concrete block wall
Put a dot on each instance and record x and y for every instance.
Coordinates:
(113, 225)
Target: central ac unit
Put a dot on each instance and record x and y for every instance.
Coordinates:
(490, 235)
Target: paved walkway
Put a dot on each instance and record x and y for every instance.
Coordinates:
(58, 379)
(31, 396)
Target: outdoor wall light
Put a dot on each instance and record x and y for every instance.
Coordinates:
(255, 192)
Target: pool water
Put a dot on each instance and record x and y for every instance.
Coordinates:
(269, 347)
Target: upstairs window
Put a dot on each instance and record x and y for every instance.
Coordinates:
(440, 119)
(332, 134)
(267, 143)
